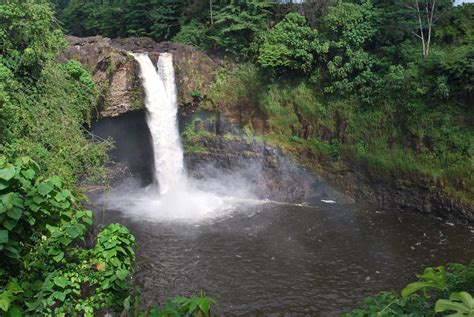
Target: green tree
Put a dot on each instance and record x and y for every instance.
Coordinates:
(457, 26)
(158, 19)
(29, 36)
(313, 10)
(290, 45)
(236, 23)
(193, 33)
(165, 16)
(409, 22)
(349, 29)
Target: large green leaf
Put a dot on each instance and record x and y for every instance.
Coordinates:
(434, 278)
(61, 281)
(56, 181)
(59, 296)
(121, 274)
(7, 173)
(44, 188)
(461, 303)
(3, 184)
(9, 224)
(58, 257)
(74, 231)
(4, 303)
(414, 287)
(15, 312)
(3, 236)
(15, 213)
(28, 174)
(204, 305)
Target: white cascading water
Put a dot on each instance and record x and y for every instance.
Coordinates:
(178, 198)
(161, 104)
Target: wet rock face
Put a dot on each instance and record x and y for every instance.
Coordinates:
(117, 74)
(218, 149)
(114, 71)
(132, 154)
(279, 178)
(262, 169)
(421, 195)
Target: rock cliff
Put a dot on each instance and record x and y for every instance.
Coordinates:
(117, 74)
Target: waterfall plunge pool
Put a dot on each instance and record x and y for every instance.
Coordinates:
(283, 260)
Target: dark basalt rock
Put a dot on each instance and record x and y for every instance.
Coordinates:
(414, 194)
(270, 174)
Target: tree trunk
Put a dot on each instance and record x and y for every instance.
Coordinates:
(430, 25)
(210, 10)
(421, 36)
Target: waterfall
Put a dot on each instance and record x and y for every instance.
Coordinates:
(179, 198)
(161, 104)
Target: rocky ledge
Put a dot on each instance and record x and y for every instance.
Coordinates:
(116, 73)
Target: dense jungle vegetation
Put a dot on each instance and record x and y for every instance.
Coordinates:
(386, 84)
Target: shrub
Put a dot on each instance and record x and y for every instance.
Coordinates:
(194, 33)
(45, 122)
(44, 271)
(290, 46)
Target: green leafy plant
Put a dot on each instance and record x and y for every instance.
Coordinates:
(435, 282)
(44, 269)
(387, 304)
(291, 45)
(460, 277)
(431, 278)
(461, 303)
(181, 306)
(187, 306)
(28, 202)
(9, 295)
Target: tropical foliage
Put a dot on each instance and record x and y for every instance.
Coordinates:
(44, 104)
(372, 97)
(290, 46)
(198, 306)
(426, 297)
(47, 267)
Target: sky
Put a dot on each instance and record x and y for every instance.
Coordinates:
(461, 1)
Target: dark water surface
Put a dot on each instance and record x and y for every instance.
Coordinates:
(283, 260)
